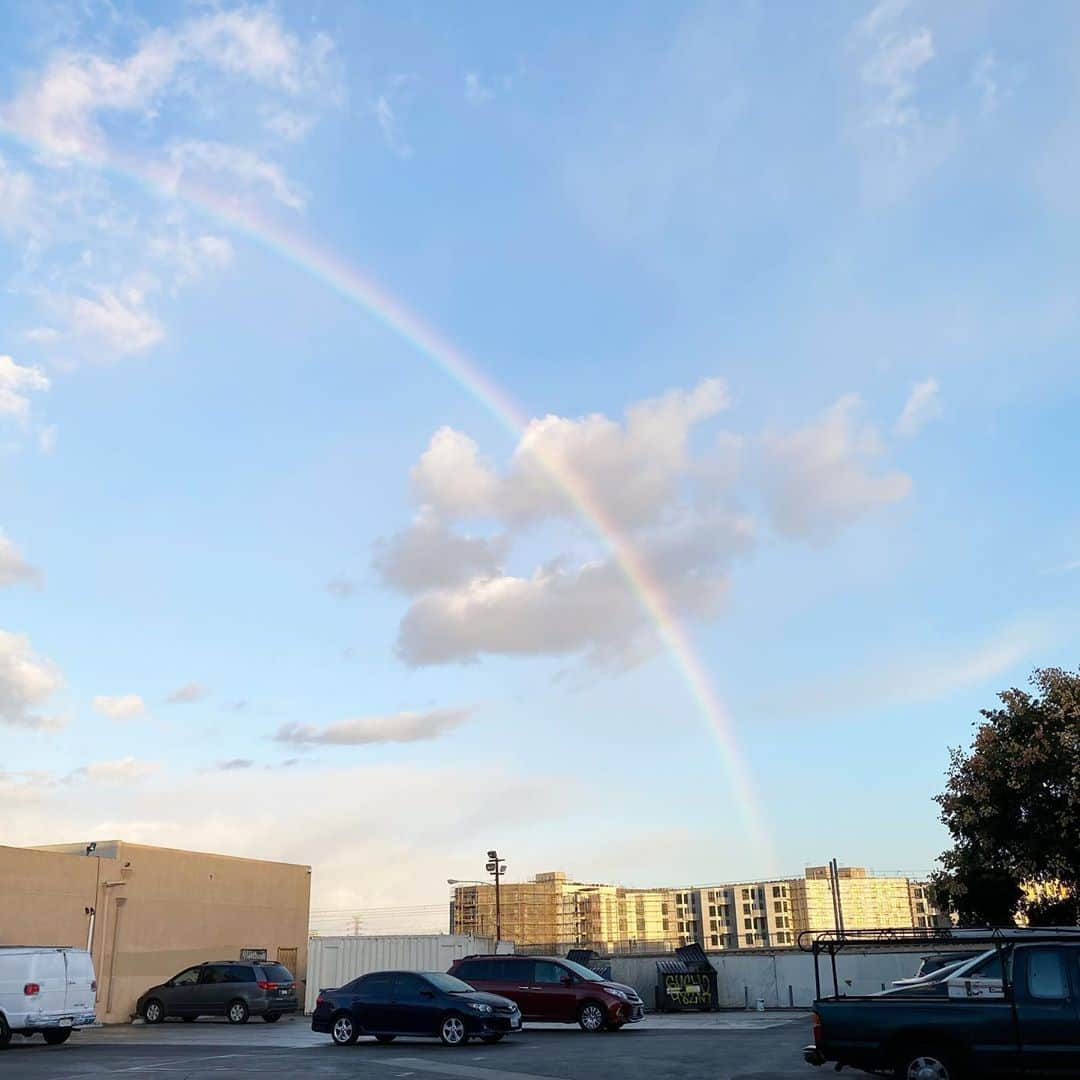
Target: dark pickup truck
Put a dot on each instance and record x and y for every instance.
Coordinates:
(1025, 1024)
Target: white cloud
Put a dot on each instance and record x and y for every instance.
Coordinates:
(916, 678)
(47, 439)
(122, 771)
(191, 257)
(14, 569)
(16, 381)
(476, 93)
(18, 205)
(894, 56)
(818, 479)
(403, 727)
(631, 470)
(985, 82)
(27, 681)
(340, 587)
(388, 120)
(675, 509)
(41, 335)
(199, 156)
(922, 406)
(288, 125)
(428, 554)
(117, 320)
(119, 707)
(60, 109)
(188, 694)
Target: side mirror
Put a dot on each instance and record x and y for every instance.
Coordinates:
(567, 980)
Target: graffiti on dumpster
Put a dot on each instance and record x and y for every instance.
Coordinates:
(688, 988)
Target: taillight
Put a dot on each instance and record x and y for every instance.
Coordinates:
(320, 1000)
(267, 986)
(30, 989)
(816, 1021)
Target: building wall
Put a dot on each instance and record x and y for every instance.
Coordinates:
(158, 910)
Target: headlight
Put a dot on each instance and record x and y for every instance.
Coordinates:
(480, 1008)
(621, 995)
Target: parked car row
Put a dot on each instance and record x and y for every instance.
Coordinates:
(51, 991)
(484, 997)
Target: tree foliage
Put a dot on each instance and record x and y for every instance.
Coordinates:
(1012, 805)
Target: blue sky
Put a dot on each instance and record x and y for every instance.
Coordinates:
(791, 292)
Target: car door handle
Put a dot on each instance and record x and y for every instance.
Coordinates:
(524, 987)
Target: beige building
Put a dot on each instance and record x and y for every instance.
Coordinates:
(147, 912)
(552, 911)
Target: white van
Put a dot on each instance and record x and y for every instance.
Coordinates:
(45, 990)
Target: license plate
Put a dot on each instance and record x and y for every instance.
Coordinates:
(283, 993)
(66, 1022)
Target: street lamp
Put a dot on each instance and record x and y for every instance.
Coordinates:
(496, 867)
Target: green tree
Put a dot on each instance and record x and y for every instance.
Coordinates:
(1012, 804)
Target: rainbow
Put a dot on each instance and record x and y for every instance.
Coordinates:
(351, 282)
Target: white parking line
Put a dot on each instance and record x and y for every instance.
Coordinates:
(467, 1071)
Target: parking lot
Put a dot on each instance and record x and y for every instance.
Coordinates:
(719, 1046)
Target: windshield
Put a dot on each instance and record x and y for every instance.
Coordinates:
(584, 972)
(448, 983)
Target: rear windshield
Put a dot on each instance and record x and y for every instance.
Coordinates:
(277, 973)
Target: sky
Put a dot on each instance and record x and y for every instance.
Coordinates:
(637, 437)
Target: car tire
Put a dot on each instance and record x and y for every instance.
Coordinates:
(452, 1030)
(918, 1062)
(491, 1039)
(343, 1030)
(237, 1012)
(592, 1016)
(153, 1011)
(271, 1018)
(55, 1038)
(5, 1033)
(385, 1038)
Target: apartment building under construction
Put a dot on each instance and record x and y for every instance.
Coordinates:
(554, 913)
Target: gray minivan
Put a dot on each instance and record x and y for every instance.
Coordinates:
(235, 989)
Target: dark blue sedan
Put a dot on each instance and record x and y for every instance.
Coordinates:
(387, 1004)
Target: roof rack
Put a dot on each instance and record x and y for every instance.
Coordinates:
(832, 942)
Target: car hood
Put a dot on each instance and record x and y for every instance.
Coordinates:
(481, 997)
(153, 990)
(618, 986)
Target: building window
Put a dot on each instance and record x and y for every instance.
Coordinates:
(715, 941)
(779, 905)
(776, 890)
(920, 907)
(746, 909)
(712, 910)
(746, 894)
(749, 939)
(748, 924)
(682, 928)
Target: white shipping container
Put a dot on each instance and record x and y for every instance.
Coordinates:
(334, 961)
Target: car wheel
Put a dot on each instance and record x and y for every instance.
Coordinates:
(592, 1016)
(452, 1030)
(55, 1038)
(153, 1011)
(343, 1030)
(385, 1038)
(490, 1039)
(237, 1012)
(5, 1033)
(926, 1063)
(271, 1018)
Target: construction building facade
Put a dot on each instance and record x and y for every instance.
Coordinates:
(552, 913)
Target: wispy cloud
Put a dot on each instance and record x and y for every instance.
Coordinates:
(14, 569)
(122, 771)
(340, 587)
(476, 93)
(119, 707)
(233, 764)
(404, 727)
(922, 406)
(188, 694)
(27, 681)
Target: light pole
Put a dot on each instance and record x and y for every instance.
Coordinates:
(496, 867)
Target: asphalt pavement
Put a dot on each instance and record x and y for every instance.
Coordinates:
(719, 1046)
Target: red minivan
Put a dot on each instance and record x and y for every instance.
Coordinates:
(548, 988)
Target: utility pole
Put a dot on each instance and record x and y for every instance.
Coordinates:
(496, 867)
